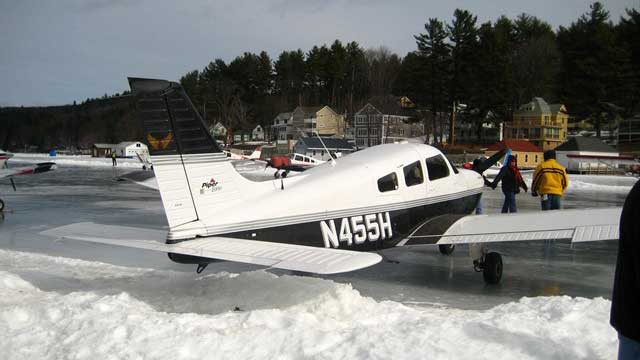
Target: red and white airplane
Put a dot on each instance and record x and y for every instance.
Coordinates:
(329, 219)
(6, 172)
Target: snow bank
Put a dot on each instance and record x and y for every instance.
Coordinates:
(599, 183)
(75, 160)
(284, 317)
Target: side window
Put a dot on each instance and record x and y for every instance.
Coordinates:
(388, 182)
(298, 158)
(437, 167)
(306, 159)
(413, 174)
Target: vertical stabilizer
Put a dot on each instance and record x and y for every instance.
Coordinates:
(175, 134)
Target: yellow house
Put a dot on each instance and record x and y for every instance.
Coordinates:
(328, 122)
(322, 119)
(529, 155)
(544, 125)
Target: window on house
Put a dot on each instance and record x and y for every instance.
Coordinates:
(437, 167)
(388, 182)
(526, 158)
(374, 131)
(536, 159)
(413, 174)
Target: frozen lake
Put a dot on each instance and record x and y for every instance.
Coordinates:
(422, 307)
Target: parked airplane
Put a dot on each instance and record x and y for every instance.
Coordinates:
(331, 218)
(5, 172)
(291, 162)
(253, 156)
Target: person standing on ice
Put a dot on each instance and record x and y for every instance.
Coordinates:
(511, 183)
(625, 300)
(114, 162)
(550, 180)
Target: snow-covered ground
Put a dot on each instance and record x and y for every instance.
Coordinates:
(54, 308)
(83, 301)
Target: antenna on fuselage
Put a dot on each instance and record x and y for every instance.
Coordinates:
(333, 161)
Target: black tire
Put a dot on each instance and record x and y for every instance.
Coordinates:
(492, 270)
(284, 174)
(446, 249)
(276, 174)
(1, 205)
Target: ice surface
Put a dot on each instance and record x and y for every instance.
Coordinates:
(63, 299)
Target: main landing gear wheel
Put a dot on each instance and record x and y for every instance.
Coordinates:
(492, 268)
(1, 205)
(446, 249)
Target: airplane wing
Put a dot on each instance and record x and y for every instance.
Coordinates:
(26, 170)
(277, 255)
(577, 225)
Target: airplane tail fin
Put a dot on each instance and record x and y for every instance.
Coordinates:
(188, 164)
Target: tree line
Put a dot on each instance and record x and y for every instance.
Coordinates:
(592, 66)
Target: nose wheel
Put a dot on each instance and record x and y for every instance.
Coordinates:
(1, 205)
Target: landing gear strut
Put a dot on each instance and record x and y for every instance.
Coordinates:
(446, 249)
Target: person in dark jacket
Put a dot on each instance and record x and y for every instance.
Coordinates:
(625, 301)
(511, 184)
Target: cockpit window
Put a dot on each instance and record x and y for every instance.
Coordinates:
(298, 158)
(413, 174)
(388, 182)
(437, 167)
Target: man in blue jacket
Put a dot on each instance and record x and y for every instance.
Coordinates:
(625, 301)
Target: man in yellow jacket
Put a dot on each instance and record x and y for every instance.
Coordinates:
(550, 180)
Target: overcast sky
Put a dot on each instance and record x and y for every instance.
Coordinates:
(55, 52)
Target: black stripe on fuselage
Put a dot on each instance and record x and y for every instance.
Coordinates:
(403, 223)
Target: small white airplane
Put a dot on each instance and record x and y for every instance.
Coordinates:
(252, 156)
(6, 173)
(329, 219)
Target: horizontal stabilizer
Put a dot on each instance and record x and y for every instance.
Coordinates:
(278, 255)
(577, 225)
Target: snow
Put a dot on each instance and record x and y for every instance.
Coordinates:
(75, 160)
(89, 310)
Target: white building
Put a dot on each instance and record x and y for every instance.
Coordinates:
(589, 155)
(131, 149)
(257, 133)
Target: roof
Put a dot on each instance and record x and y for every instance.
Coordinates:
(582, 143)
(103, 145)
(537, 106)
(128, 143)
(330, 143)
(515, 145)
(308, 110)
(283, 116)
(389, 105)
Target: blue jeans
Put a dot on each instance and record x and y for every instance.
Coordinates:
(628, 349)
(552, 202)
(479, 206)
(509, 205)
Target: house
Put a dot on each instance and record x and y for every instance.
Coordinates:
(102, 150)
(589, 155)
(545, 125)
(282, 132)
(313, 147)
(528, 154)
(241, 136)
(131, 149)
(386, 119)
(629, 135)
(257, 133)
(218, 130)
(322, 120)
